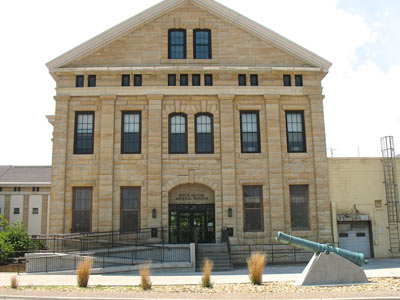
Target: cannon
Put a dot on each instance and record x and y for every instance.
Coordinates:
(354, 257)
(329, 265)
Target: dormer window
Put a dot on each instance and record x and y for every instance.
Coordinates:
(177, 44)
(202, 44)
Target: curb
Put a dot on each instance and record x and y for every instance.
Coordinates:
(10, 297)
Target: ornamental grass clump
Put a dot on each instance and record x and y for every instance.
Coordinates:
(256, 265)
(83, 272)
(145, 277)
(206, 278)
(14, 282)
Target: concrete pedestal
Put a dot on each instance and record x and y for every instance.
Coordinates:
(328, 269)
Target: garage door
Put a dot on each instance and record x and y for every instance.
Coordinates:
(355, 237)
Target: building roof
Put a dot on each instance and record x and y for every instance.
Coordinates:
(167, 5)
(25, 175)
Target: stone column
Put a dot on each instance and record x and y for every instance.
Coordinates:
(275, 169)
(324, 229)
(154, 170)
(58, 169)
(106, 164)
(228, 172)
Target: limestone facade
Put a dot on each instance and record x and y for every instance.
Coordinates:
(143, 49)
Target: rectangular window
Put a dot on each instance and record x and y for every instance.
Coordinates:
(184, 80)
(250, 131)
(80, 80)
(137, 80)
(253, 208)
(1, 189)
(130, 209)
(299, 207)
(16, 210)
(17, 189)
(204, 133)
(295, 131)
(287, 80)
(35, 211)
(196, 79)
(242, 79)
(82, 209)
(92, 80)
(254, 80)
(298, 80)
(171, 80)
(177, 44)
(84, 129)
(131, 132)
(126, 79)
(202, 44)
(35, 189)
(208, 79)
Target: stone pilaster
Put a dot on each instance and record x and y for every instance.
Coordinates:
(228, 168)
(154, 170)
(58, 169)
(320, 169)
(275, 169)
(106, 167)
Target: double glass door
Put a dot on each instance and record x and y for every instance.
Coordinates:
(192, 223)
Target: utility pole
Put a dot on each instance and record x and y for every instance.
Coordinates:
(331, 150)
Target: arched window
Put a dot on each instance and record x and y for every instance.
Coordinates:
(177, 133)
(202, 44)
(204, 133)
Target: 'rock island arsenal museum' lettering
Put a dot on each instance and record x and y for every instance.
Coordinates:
(190, 117)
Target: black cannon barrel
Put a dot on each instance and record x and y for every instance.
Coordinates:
(354, 257)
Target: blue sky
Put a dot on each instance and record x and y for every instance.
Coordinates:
(360, 37)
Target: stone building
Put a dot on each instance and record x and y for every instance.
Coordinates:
(190, 115)
(25, 196)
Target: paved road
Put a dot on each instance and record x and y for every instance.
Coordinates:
(376, 268)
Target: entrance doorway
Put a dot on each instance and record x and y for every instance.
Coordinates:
(189, 223)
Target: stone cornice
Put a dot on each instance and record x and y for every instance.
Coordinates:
(153, 91)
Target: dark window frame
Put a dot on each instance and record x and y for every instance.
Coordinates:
(171, 76)
(35, 210)
(123, 133)
(301, 112)
(169, 133)
(16, 211)
(137, 80)
(210, 76)
(17, 189)
(285, 82)
(242, 80)
(170, 31)
(258, 130)
(261, 208)
(300, 228)
(73, 229)
(77, 113)
(78, 82)
(193, 79)
(209, 44)
(121, 215)
(90, 82)
(253, 79)
(298, 80)
(125, 77)
(182, 78)
(212, 132)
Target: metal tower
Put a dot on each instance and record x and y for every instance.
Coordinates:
(392, 193)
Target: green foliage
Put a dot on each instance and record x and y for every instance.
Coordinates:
(14, 240)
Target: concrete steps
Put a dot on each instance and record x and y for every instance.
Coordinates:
(217, 253)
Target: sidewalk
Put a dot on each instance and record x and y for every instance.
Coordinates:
(376, 268)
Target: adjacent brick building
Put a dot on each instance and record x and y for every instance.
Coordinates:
(190, 115)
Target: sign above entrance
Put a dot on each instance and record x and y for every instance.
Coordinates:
(191, 194)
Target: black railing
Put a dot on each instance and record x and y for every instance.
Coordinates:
(276, 253)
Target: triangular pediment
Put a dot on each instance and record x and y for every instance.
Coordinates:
(242, 39)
